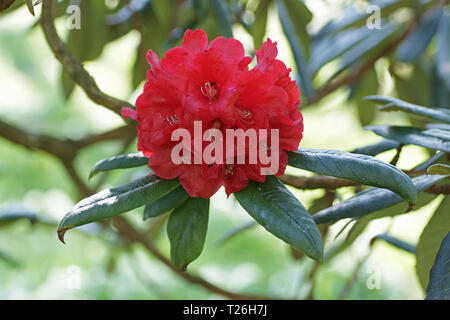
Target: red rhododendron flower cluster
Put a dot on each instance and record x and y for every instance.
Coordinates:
(213, 83)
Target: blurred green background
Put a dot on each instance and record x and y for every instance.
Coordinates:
(96, 263)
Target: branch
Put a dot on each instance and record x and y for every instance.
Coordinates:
(73, 65)
(128, 231)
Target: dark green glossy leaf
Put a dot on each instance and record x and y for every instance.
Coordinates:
(168, 202)
(415, 44)
(431, 238)
(399, 105)
(370, 200)
(377, 148)
(112, 202)
(276, 209)
(441, 169)
(306, 86)
(408, 135)
(186, 228)
(222, 15)
(439, 285)
(124, 161)
(357, 167)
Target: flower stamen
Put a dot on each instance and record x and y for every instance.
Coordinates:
(209, 90)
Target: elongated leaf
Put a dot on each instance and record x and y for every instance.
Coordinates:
(354, 17)
(30, 6)
(369, 201)
(124, 161)
(439, 285)
(258, 29)
(399, 105)
(186, 228)
(235, 231)
(220, 11)
(276, 209)
(114, 201)
(357, 167)
(366, 47)
(168, 202)
(403, 245)
(407, 135)
(431, 238)
(300, 16)
(377, 148)
(415, 44)
(329, 48)
(442, 126)
(441, 169)
(425, 165)
(14, 212)
(443, 50)
(297, 50)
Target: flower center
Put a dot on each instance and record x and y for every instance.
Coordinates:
(210, 90)
(229, 169)
(245, 116)
(171, 119)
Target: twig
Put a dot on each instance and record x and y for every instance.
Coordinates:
(128, 231)
(73, 66)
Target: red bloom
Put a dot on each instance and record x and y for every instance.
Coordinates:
(213, 84)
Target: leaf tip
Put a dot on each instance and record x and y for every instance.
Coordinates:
(61, 233)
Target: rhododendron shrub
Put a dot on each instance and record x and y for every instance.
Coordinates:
(200, 92)
(213, 83)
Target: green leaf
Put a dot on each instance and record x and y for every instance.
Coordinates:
(430, 240)
(399, 105)
(276, 209)
(300, 16)
(92, 26)
(258, 29)
(440, 168)
(235, 231)
(370, 200)
(377, 148)
(357, 167)
(329, 48)
(112, 202)
(186, 228)
(366, 48)
(400, 244)
(30, 6)
(124, 161)
(14, 212)
(354, 17)
(368, 84)
(439, 285)
(443, 50)
(416, 43)
(168, 202)
(306, 86)
(408, 135)
(223, 19)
